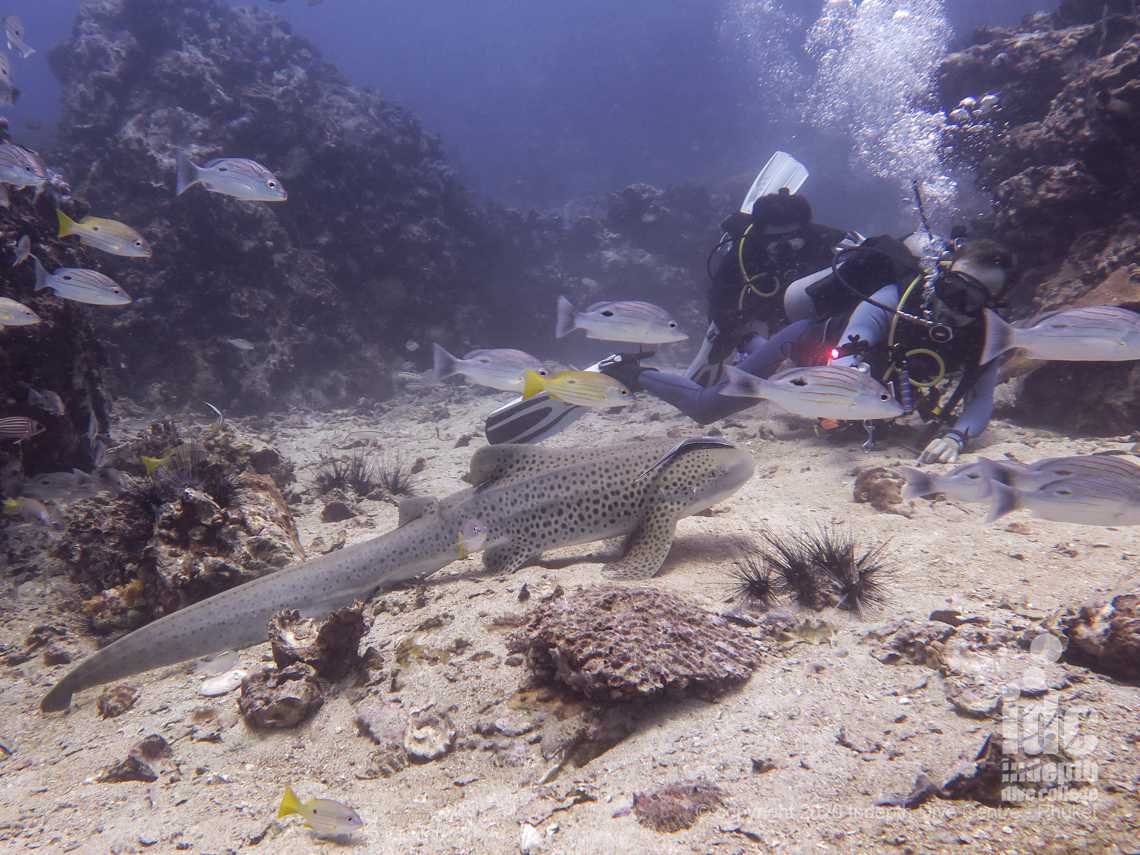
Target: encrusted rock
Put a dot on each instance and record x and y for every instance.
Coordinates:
(616, 643)
(429, 735)
(1105, 635)
(116, 700)
(139, 763)
(331, 646)
(676, 807)
(879, 487)
(280, 698)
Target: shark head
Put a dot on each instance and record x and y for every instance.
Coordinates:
(701, 477)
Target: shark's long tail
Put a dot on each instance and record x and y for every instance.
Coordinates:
(238, 617)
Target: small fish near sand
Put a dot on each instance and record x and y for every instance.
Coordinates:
(81, 286)
(238, 177)
(496, 368)
(632, 321)
(472, 538)
(32, 511)
(818, 392)
(107, 235)
(1082, 499)
(13, 314)
(327, 818)
(14, 34)
(19, 428)
(583, 388)
(1091, 334)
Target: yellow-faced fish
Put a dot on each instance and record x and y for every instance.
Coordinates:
(150, 464)
(107, 235)
(583, 388)
(81, 286)
(13, 314)
(32, 510)
(472, 537)
(14, 33)
(326, 817)
(231, 176)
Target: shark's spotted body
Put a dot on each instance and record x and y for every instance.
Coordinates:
(527, 499)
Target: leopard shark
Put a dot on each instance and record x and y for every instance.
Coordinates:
(526, 499)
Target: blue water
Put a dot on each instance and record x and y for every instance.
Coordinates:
(540, 102)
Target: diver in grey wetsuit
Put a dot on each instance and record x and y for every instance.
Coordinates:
(939, 344)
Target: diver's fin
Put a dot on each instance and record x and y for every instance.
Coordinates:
(187, 173)
(918, 483)
(647, 546)
(999, 338)
(565, 324)
(505, 558)
(700, 370)
(1003, 500)
(780, 172)
(443, 364)
(414, 507)
(531, 419)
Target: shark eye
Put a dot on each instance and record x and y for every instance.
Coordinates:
(1065, 492)
(222, 168)
(607, 313)
(974, 476)
(799, 381)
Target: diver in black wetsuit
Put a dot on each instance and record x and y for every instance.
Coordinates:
(922, 333)
(761, 254)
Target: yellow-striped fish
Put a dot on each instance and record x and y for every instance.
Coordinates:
(583, 388)
(106, 235)
(326, 817)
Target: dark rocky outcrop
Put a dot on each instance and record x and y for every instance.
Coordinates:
(1062, 162)
(372, 249)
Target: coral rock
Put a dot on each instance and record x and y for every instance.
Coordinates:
(1106, 636)
(676, 807)
(615, 643)
(116, 700)
(284, 698)
(428, 736)
(331, 646)
(879, 487)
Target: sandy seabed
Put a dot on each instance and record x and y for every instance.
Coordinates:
(802, 750)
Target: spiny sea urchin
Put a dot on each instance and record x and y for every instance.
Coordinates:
(857, 579)
(751, 580)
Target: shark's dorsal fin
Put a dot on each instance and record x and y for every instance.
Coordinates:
(687, 445)
(414, 507)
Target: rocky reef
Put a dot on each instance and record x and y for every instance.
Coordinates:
(378, 250)
(1060, 158)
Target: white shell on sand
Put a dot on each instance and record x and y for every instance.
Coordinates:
(223, 684)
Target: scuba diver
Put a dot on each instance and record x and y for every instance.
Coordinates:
(919, 333)
(760, 255)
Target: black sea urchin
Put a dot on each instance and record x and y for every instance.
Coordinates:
(395, 478)
(857, 579)
(789, 557)
(750, 580)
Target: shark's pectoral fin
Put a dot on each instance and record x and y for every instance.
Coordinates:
(647, 546)
(505, 558)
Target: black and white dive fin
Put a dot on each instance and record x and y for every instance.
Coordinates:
(528, 420)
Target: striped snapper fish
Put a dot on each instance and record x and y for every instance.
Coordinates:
(620, 320)
(818, 392)
(106, 235)
(13, 314)
(231, 176)
(1082, 499)
(20, 167)
(1091, 334)
(81, 286)
(19, 428)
